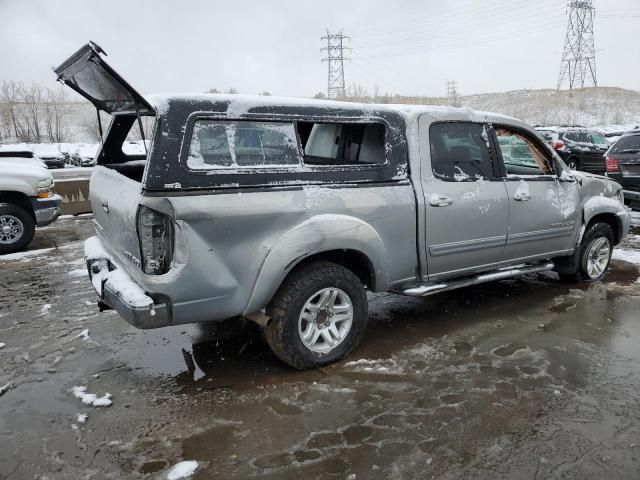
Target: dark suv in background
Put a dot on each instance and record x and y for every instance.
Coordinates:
(580, 148)
(623, 166)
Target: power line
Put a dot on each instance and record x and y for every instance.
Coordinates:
(458, 26)
(473, 41)
(579, 55)
(335, 59)
(486, 9)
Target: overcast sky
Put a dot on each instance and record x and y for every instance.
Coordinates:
(408, 47)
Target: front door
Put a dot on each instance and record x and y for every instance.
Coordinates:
(466, 200)
(542, 209)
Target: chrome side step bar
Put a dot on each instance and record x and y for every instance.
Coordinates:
(500, 274)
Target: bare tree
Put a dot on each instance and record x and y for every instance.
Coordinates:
(32, 101)
(56, 109)
(11, 97)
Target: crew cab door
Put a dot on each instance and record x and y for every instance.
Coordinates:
(543, 210)
(466, 205)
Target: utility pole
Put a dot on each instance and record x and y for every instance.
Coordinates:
(335, 59)
(452, 93)
(579, 54)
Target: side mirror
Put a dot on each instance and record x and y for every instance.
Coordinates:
(565, 176)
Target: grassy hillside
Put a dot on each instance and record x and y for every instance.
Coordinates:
(587, 106)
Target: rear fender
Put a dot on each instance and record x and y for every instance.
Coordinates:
(318, 234)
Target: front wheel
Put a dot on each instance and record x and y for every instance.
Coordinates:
(592, 256)
(318, 315)
(17, 228)
(573, 164)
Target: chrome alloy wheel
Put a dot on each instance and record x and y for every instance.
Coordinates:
(11, 229)
(598, 257)
(325, 320)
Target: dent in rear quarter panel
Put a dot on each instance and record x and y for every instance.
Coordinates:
(240, 246)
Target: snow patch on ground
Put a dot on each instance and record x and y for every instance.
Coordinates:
(44, 310)
(78, 272)
(82, 418)
(84, 334)
(91, 398)
(25, 255)
(2, 345)
(631, 256)
(182, 470)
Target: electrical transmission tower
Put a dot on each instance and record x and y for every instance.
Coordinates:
(579, 54)
(335, 58)
(452, 93)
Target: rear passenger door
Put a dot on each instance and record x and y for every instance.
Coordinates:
(466, 200)
(542, 209)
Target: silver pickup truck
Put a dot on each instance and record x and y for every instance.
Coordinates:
(286, 211)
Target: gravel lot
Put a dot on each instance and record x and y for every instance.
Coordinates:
(526, 378)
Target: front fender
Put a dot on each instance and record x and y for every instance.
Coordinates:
(607, 205)
(318, 234)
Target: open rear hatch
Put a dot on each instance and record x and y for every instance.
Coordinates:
(115, 186)
(87, 73)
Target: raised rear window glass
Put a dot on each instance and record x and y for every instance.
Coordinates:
(334, 144)
(460, 152)
(630, 144)
(224, 144)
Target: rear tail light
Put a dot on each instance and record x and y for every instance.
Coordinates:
(613, 165)
(156, 241)
(558, 144)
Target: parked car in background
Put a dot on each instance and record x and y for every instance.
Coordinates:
(580, 148)
(285, 211)
(22, 152)
(50, 154)
(623, 165)
(613, 132)
(84, 155)
(27, 200)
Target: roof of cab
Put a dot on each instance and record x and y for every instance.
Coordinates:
(241, 104)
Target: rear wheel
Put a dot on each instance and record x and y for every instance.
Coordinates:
(17, 228)
(592, 256)
(573, 163)
(318, 315)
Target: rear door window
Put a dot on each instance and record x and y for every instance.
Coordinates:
(241, 144)
(460, 152)
(598, 139)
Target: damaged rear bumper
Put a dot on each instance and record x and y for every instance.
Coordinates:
(117, 290)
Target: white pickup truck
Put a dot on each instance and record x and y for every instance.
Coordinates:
(27, 199)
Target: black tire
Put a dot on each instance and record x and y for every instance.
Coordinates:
(573, 163)
(574, 269)
(8, 211)
(287, 305)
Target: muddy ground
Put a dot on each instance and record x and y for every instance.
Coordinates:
(521, 379)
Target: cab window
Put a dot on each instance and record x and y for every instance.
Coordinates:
(460, 152)
(220, 144)
(520, 155)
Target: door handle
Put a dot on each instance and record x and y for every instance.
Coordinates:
(440, 200)
(522, 197)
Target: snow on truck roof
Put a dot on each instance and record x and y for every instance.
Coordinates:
(240, 104)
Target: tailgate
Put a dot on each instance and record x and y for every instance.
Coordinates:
(114, 200)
